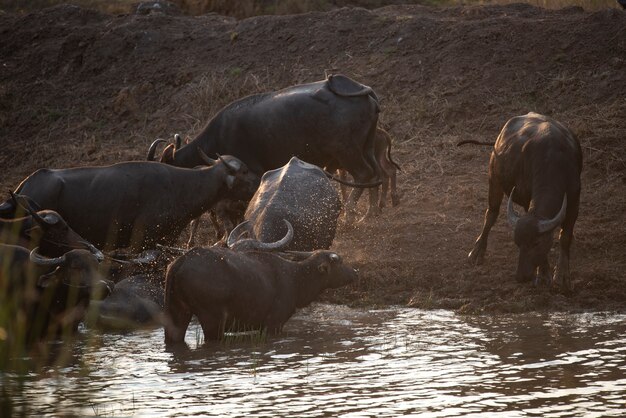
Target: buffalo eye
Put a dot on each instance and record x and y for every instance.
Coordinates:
(324, 268)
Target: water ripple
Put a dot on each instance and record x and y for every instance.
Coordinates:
(335, 361)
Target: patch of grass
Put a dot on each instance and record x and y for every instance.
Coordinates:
(201, 99)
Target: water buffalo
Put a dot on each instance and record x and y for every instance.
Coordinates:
(137, 204)
(245, 290)
(135, 302)
(537, 161)
(328, 122)
(388, 167)
(43, 297)
(300, 193)
(45, 229)
(224, 215)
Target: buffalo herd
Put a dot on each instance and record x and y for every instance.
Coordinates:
(263, 168)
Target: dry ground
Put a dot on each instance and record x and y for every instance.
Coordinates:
(78, 87)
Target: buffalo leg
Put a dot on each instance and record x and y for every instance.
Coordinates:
(363, 170)
(395, 199)
(373, 209)
(193, 230)
(543, 273)
(343, 175)
(211, 326)
(561, 270)
(383, 192)
(350, 205)
(178, 318)
(477, 255)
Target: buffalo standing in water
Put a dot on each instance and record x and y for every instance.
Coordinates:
(244, 290)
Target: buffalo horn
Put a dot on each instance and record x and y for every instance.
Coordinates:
(178, 141)
(207, 160)
(153, 147)
(237, 232)
(512, 216)
(38, 259)
(301, 255)
(232, 167)
(255, 244)
(93, 250)
(280, 244)
(22, 201)
(550, 224)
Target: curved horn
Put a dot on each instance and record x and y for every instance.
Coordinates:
(25, 203)
(512, 216)
(280, 244)
(153, 147)
(230, 166)
(93, 250)
(178, 141)
(357, 185)
(550, 224)
(302, 255)
(237, 232)
(207, 160)
(40, 260)
(254, 244)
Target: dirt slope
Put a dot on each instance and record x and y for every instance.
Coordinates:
(80, 88)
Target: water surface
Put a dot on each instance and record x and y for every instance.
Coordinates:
(336, 361)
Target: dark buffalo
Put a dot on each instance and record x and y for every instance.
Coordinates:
(137, 204)
(537, 161)
(233, 290)
(224, 215)
(44, 297)
(300, 193)
(45, 229)
(135, 302)
(388, 168)
(327, 123)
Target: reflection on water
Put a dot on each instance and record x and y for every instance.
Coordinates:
(335, 361)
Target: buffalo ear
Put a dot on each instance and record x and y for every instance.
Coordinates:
(230, 181)
(46, 280)
(324, 268)
(51, 219)
(32, 229)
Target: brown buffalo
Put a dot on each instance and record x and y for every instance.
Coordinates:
(537, 161)
(235, 290)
